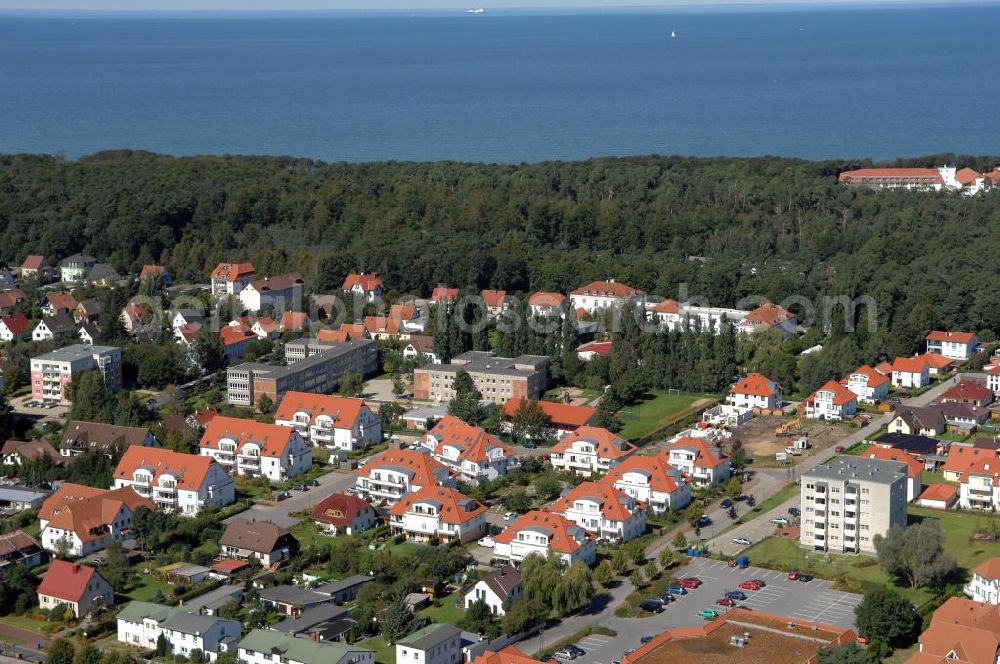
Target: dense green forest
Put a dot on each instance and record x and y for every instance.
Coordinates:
(725, 227)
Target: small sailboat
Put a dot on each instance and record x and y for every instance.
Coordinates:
(477, 10)
(673, 33)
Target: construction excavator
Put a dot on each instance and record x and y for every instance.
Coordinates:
(788, 428)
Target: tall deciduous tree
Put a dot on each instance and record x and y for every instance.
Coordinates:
(915, 553)
(886, 615)
(465, 405)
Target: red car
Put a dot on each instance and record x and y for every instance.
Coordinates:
(690, 582)
(750, 585)
(793, 576)
(758, 582)
(725, 601)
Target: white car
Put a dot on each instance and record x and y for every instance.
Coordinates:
(487, 542)
(742, 540)
(779, 521)
(509, 518)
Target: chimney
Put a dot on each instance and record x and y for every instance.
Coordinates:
(314, 636)
(76, 568)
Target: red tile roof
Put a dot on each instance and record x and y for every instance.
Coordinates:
(508, 655)
(17, 324)
(875, 377)
(909, 364)
(943, 492)
(11, 543)
(333, 336)
(967, 176)
(615, 505)
(90, 516)
(967, 390)
(956, 337)
(608, 445)
(757, 385)
(272, 439)
(608, 289)
(560, 414)
(367, 282)
(234, 334)
(546, 299)
(339, 509)
(494, 299)
(294, 320)
(381, 325)
(925, 174)
(565, 536)
(989, 569)
(913, 467)
(233, 271)
(343, 410)
(443, 294)
(706, 455)
(666, 307)
(66, 581)
(230, 565)
(597, 347)
(267, 325)
(935, 361)
(883, 368)
(768, 315)
(151, 271)
(135, 312)
(472, 443)
(60, 301)
(972, 461)
(662, 476)
(454, 507)
(190, 470)
(426, 470)
(280, 282)
(33, 263)
(841, 395)
(354, 331)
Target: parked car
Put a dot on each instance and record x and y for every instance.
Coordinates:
(705, 520)
(759, 582)
(97, 562)
(677, 590)
(661, 599)
(805, 578)
(576, 649)
(742, 540)
(725, 601)
(488, 542)
(726, 504)
(795, 511)
(645, 639)
(749, 585)
(736, 594)
(651, 606)
(838, 449)
(708, 613)
(779, 521)
(509, 518)
(793, 576)
(300, 487)
(283, 495)
(312, 483)
(351, 490)
(565, 653)
(666, 598)
(690, 582)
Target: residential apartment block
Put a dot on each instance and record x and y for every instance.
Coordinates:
(848, 501)
(603, 510)
(320, 371)
(653, 481)
(394, 473)
(832, 402)
(603, 295)
(540, 532)
(175, 482)
(985, 583)
(140, 624)
(437, 643)
(700, 459)
(51, 373)
(867, 383)
(590, 450)
(81, 520)
(280, 293)
(80, 437)
(330, 421)
(231, 278)
(469, 451)
(953, 345)
(756, 391)
(439, 512)
(256, 449)
(498, 379)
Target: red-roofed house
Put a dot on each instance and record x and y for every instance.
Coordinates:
(985, 583)
(603, 510)
(469, 451)
(651, 480)
(176, 482)
(334, 422)
(993, 379)
(35, 265)
(968, 391)
(14, 327)
(20, 548)
(564, 418)
(590, 450)
(953, 345)
(890, 178)
(978, 470)
(256, 449)
(756, 391)
(236, 339)
(266, 328)
(508, 655)
(869, 384)
(231, 278)
(544, 303)
(280, 292)
(540, 532)
(82, 519)
(937, 364)
(10, 299)
(439, 512)
(80, 587)
(368, 286)
(137, 319)
(602, 295)
(151, 271)
(294, 320)
(586, 352)
(342, 514)
(939, 496)
(914, 468)
(769, 317)
(496, 301)
(54, 304)
(442, 294)
(910, 372)
(961, 631)
(833, 401)
(394, 473)
(699, 459)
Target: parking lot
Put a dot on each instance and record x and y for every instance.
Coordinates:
(812, 601)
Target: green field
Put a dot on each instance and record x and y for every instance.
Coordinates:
(147, 591)
(450, 611)
(384, 653)
(652, 411)
(959, 527)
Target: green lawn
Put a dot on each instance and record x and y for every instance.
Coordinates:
(959, 527)
(652, 410)
(24, 623)
(784, 554)
(308, 535)
(384, 653)
(935, 477)
(147, 591)
(450, 611)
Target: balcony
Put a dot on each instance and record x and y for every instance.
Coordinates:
(248, 461)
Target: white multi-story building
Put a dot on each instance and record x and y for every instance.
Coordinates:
(174, 481)
(976, 469)
(394, 473)
(439, 512)
(256, 449)
(953, 345)
(848, 501)
(653, 481)
(756, 391)
(603, 510)
(438, 643)
(704, 462)
(603, 295)
(266, 646)
(229, 279)
(590, 450)
(867, 383)
(769, 317)
(911, 372)
(369, 286)
(993, 379)
(330, 421)
(985, 584)
(52, 373)
(833, 402)
(673, 315)
(140, 624)
(82, 520)
(540, 532)
(469, 451)
(281, 292)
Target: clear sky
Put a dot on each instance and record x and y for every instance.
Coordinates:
(407, 5)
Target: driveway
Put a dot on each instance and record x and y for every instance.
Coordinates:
(280, 513)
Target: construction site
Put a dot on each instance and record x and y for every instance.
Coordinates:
(770, 437)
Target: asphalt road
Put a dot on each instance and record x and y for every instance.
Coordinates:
(280, 512)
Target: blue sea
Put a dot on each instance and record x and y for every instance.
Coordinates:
(505, 86)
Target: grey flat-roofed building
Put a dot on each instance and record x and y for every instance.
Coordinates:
(20, 498)
(498, 379)
(849, 500)
(291, 600)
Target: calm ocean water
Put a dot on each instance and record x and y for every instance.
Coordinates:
(510, 87)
